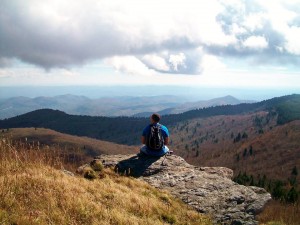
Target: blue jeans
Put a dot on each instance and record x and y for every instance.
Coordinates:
(144, 149)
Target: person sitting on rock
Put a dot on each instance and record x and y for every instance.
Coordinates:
(155, 137)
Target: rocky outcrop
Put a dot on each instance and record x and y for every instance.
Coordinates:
(209, 190)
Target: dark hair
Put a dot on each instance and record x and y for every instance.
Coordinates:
(155, 117)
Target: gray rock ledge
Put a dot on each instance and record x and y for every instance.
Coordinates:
(209, 190)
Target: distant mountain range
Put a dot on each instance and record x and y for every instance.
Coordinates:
(187, 106)
(115, 106)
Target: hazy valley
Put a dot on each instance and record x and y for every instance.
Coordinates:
(109, 106)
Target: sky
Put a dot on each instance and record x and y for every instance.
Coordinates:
(218, 43)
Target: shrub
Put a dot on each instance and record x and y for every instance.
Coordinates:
(169, 218)
(96, 165)
(89, 173)
(292, 195)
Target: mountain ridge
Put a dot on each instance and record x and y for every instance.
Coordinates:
(106, 106)
(81, 105)
(191, 105)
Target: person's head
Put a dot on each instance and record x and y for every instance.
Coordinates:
(155, 118)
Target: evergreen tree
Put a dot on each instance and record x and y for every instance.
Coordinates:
(245, 135)
(292, 195)
(269, 188)
(295, 171)
(278, 191)
(238, 138)
(251, 150)
(237, 157)
(232, 135)
(262, 181)
(252, 183)
(292, 181)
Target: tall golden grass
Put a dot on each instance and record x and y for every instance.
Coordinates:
(33, 190)
(278, 213)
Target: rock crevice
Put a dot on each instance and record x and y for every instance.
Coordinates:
(209, 190)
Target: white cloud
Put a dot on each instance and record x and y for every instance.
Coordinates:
(255, 21)
(177, 61)
(256, 42)
(129, 65)
(237, 30)
(280, 14)
(292, 44)
(148, 38)
(212, 63)
(64, 33)
(156, 62)
(4, 73)
(187, 62)
(5, 62)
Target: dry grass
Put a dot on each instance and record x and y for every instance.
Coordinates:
(50, 137)
(277, 213)
(34, 191)
(73, 149)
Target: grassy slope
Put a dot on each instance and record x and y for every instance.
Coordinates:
(83, 148)
(276, 213)
(50, 137)
(32, 192)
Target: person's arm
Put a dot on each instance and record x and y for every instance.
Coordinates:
(143, 140)
(166, 135)
(166, 140)
(144, 135)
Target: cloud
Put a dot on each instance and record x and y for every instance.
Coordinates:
(65, 33)
(177, 61)
(154, 36)
(292, 40)
(156, 62)
(129, 65)
(5, 62)
(212, 63)
(255, 42)
(265, 31)
(188, 62)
